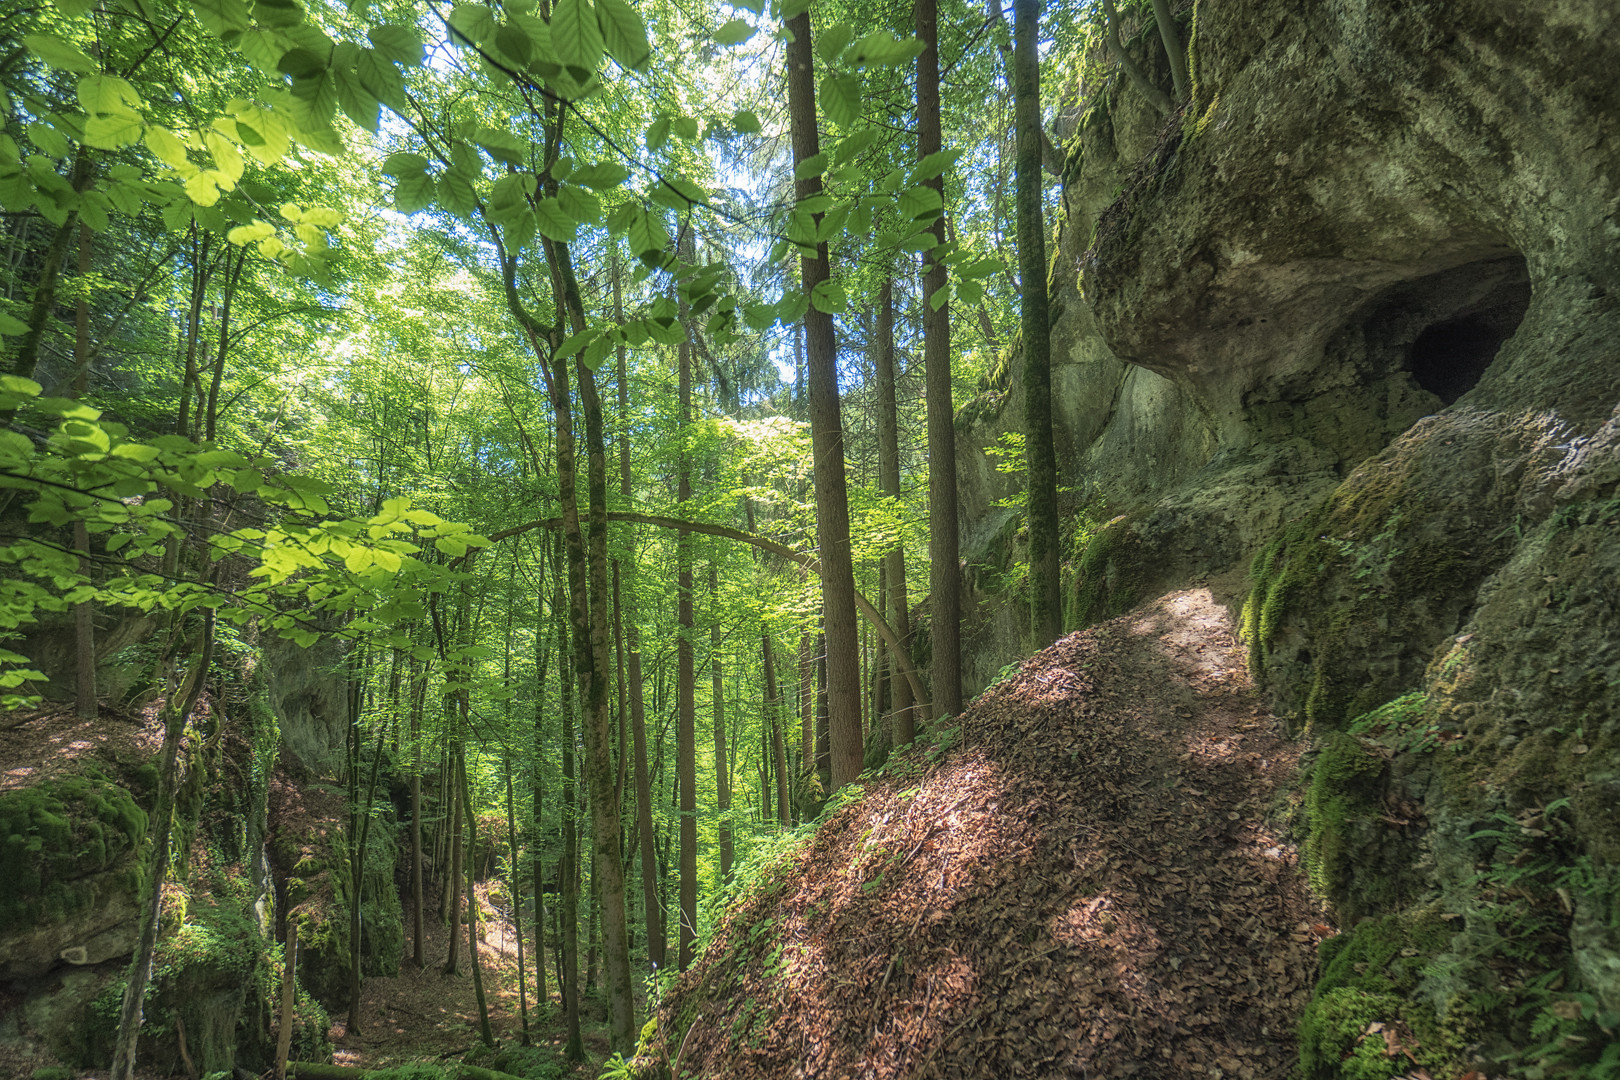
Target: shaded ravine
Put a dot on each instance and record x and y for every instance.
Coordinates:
(1086, 884)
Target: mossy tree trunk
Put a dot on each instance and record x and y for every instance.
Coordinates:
(1045, 587)
(161, 829)
(944, 551)
(889, 481)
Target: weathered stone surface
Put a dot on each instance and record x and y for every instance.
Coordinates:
(306, 691)
(1350, 321)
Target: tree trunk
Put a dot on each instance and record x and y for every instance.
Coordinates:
(722, 776)
(50, 274)
(357, 874)
(685, 695)
(1172, 47)
(159, 832)
(889, 482)
(607, 871)
(567, 872)
(418, 932)
(517, 901)
(289, 1000)
(542, 998)
(826, 435)
(773, 716)
(945, 576)
(1046, 602)
(84, 638)
(452, 909)
(472, 900)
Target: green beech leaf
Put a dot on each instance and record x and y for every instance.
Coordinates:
(603, 176)
(301, 63)
(109, 132)
(577, 37)
(554, 221)
(624, 35)
(745, 122)
(401, 44)
(404, 163)
(658, 133)
(810, 166)
(357, 103)
(851, 147)
(59, 53)
(882, 47)
(414, 192)
(834, 40)
(381, 79)
(685, 126)
(734, 32)
(841, 99)
(933, 165)
(920, 204)
(473, 22)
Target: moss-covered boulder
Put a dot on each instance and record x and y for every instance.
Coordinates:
(69, 873)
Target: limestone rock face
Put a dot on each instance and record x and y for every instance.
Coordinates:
(1342, 338)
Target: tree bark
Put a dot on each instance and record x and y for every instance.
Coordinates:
(472, 901)
(418, 932)
(517, 896)
(452, 909)
(945, 575)
(159, 832)
(542, 999)
(50, 274)
(1172, 47)
(685, 695)
(826, 436)
(84, 639)
(289, 1000)
(1046, 602)
(567, 872)
(722, 777)
(889, 482)
(1133, 71)
(773, 716)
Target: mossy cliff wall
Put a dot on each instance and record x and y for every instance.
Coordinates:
(1342, 339)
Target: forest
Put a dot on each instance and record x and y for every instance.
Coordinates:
(649, 538)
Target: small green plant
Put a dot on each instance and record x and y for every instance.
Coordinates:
(616, 1068)
(1401, 725)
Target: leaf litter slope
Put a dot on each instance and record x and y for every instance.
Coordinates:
(1086, 886)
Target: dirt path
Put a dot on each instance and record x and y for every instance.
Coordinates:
(1085, 887)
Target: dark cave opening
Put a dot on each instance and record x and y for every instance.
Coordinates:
(1449, 356)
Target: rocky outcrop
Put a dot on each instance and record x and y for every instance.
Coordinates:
(1342, 338)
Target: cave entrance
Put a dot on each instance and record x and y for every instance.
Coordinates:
(1473, 310)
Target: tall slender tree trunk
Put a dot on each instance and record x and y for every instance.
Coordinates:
(826, 435)
(84, 638)
(773, 717)
(452, 909)
(894, 576)
(484, 1032)
(159, 832)
(807, 702)
(567, 872)
(418, 932)
(1046, 603)
(602, 774)
(357, 875)
(512, 880)
(537, 788)
(638, 718)
(722, 776)
(50, 274)
(686, 698)
(945, 575)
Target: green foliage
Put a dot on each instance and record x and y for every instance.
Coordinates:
(1341, 799)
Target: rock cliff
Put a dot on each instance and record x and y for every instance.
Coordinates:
(1341, 338)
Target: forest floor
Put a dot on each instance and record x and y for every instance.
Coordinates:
(425, 1015)
(1090, 882)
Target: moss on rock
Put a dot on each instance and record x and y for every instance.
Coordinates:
(54, 835)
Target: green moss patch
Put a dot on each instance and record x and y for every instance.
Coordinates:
(1366, 1019)
(53, 835)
